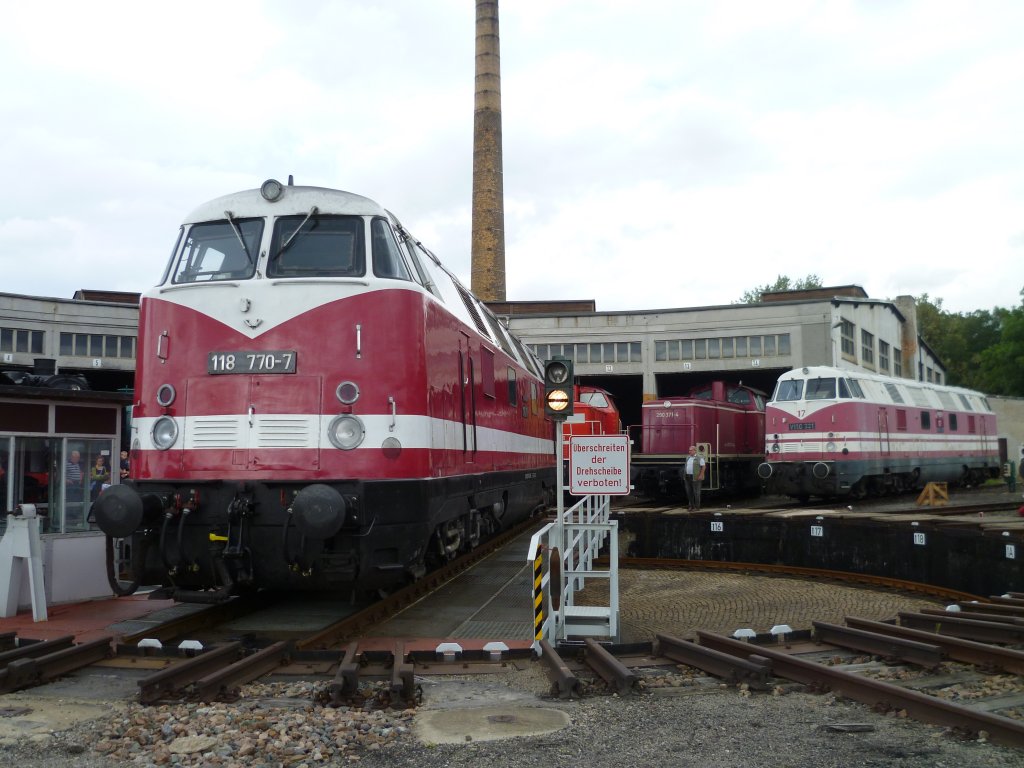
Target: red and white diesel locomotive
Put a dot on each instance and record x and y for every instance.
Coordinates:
(724, 420)
(320, 405)
(833, 432)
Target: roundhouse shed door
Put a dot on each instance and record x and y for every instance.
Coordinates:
(253, 422)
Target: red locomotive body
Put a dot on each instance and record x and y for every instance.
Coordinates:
(594, 413)
(320, 404)
(724, 421)
(832, 432)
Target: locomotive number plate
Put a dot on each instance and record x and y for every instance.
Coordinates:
(268, 361)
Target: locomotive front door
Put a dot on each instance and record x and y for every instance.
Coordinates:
(243, 422)
(468, 398)
(883, 432)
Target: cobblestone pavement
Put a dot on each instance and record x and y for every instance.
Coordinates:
(680, 602)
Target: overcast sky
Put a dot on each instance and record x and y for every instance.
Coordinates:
(659, 153)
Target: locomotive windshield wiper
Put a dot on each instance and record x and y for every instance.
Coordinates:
(238, 234)
(312, 212)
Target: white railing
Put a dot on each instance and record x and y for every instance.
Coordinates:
(563, 554)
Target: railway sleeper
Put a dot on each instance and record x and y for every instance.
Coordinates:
(929, 709)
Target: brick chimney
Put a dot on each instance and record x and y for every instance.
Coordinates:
(488, 240)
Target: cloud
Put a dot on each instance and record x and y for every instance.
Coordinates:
(674, 154)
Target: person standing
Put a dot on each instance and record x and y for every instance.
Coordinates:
(73, 472)
(99, 477)
(693, 476)
(74, 491)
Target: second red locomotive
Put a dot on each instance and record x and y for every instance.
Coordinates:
(725, 421)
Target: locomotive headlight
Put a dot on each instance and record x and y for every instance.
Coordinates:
(775, 448)
(345, 432)
(347, 392)
(272, 189)
(165, 432)
(830, 446)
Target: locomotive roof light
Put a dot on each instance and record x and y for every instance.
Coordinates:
(272, 190)
(347, 392)
(346, 432)
(165, 395)
(165, 432)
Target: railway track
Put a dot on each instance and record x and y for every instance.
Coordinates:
(962, 670)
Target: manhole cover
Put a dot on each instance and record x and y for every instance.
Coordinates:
(501, 718)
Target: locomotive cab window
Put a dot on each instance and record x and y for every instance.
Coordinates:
(387, 258)
(219, 250)
(317, 246)
(821, 389)
(738, 396)
(788, 390)
(595, 399)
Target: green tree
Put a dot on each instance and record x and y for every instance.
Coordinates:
(1002, 363)
(982, 350)
(782, 283)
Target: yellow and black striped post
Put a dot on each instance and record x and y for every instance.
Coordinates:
(538, 595)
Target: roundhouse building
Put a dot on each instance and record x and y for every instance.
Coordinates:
(66, 371)
(643, 355)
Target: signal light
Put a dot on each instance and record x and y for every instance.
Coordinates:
(558, 398)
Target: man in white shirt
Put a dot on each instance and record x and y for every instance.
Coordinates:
(693, 476)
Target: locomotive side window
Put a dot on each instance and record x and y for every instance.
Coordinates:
(966, 402)
(926, 420)
(821, 389)
(487, 372)
(855, 389)
(387, 258)
(422, 276)
(512, 386)
(219, 250)
(844, 391)
(894, 393)
(318, 246)
(789, 389)
(952, 422)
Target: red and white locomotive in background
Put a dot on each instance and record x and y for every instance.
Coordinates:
(320, 404)
(832, 432)
(724, 420)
